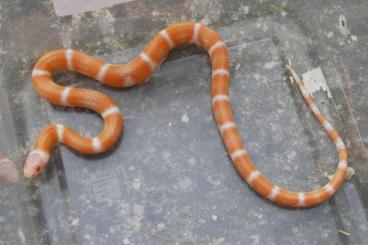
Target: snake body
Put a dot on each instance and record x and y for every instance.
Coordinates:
(139, 70)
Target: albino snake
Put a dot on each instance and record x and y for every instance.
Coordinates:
(139, 70)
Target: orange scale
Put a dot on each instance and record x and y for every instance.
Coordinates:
(262, 185)
(207, 37)
(222, 112)
(220, 53)
(90, 99)
(113, 122)
(114, 76)
(308, 100)
(140, 70)
(157, 49)
(52, 61)
(287, 198)
(181, 33)
(312, 198)
(339, 178)
(77, 142)
(334, 135)
(220, 63)
(85, 64)
(47, 139)
(47, 89)
(112, 131)
(232, 140)
(324, 195)
(220, 85)
(343, 155)
(244, 165)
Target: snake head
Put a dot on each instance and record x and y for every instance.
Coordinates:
(35, 163)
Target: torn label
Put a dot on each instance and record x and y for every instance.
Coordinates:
(314, 81)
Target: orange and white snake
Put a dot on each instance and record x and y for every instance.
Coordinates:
(139, 70)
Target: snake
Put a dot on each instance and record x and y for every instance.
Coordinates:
(136, 72)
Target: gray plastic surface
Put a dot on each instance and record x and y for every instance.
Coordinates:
(169, 179)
